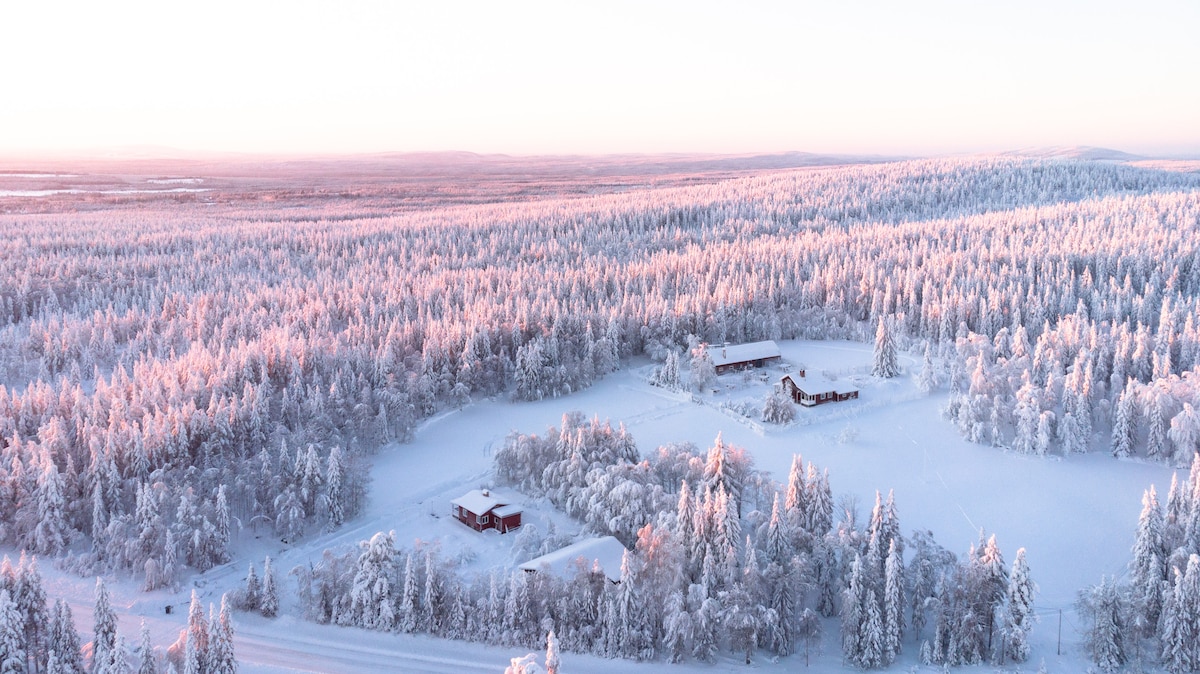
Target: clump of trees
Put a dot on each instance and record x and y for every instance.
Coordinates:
(1154, 615)
(707, 568)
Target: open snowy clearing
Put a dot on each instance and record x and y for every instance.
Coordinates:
(1076, 516)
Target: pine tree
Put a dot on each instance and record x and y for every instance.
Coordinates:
(1019, 605)
(1187, 606)
(220, 543)
(893, 603)
(1027, 412)
(871, 637)
(64, 640)
(1100, 606)
(778, 535)
(1156, 440)
(1124, 432)
(49, 534)
(927, 381)
(854, 612)
(371, 591)
(196, 651)
(409, 598)
(268, 604)
(147, 663)
(12, 643)
(30, 598)
(885, 363)
(1045, 433)
(678, 630)
(252, 592)
(334, 486)
(104, 621)
(1147, 569)
(1070, 435)
(1172, 633)
(220, 646)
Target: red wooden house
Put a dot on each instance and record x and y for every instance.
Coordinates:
(741, 356)
(481, 509)
(816, 390)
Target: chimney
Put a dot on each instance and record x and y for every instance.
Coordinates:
(723, 353)
(486, 493)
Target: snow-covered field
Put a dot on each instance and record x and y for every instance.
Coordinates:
(1075, 517)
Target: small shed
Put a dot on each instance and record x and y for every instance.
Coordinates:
(606, 553)
(737, 356)
(817, 390)
(481, 509)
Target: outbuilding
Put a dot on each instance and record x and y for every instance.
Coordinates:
(605, 554)
(738, 356)
(481, 509)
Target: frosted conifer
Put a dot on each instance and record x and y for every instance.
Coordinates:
(885, 363)
(104, 621)
(269, 603)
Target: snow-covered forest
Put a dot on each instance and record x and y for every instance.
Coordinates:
(705, 571)
(178, 372)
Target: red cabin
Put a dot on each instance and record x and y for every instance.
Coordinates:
(817, 390)
(481, 509)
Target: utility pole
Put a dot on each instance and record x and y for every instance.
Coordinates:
(1060, 631)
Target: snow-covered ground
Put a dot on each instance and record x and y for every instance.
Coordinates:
(1075, 517)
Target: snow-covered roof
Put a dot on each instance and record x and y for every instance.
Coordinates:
(608, 552)
(741, 353)
(479, 501)
(507, 510)
(818, 383)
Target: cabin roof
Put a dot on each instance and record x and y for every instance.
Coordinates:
(479, 501)
(741, 353)
(507, 510)
(817, 383)
(607, 552)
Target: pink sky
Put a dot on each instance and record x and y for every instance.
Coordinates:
(613, 76)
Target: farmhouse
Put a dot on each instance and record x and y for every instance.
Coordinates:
(481, 509)
(737, 356)
(816, 390)
(606, 553)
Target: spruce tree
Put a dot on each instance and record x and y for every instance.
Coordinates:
(220, 658)
(30, 598)
(64, 640)
(893, 603)
(12, 642)
(104, 621)
(1124, 432)
(252, 592)
(269, 603)
(50, 533)
(195, 656)
(1019, 606)
(147, 663)
(1147, 569)
(927, 381)
(885, 363)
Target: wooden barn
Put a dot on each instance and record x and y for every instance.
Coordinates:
(481, 509)
(738, 356)
(816, 390)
